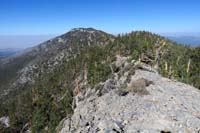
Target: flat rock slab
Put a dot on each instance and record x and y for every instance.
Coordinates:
(170, 107)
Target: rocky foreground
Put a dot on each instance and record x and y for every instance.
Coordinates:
(169, 106)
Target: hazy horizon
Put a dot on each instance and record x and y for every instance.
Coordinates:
(26, 41)
(22, 41)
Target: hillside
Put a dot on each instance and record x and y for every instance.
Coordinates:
(38, 86)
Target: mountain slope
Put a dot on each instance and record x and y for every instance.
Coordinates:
(38, 86)
(50, 54)
(24, 75)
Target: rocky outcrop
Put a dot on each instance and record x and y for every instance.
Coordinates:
(169, 106)
(5, 121)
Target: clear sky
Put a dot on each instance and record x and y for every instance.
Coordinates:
(44, 17)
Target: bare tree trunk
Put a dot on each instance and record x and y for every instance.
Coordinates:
(177, 60)
(111, 68)
(188, 66)
(166, 66)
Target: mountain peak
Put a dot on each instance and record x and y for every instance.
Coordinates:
(88, 31)
(83, 29)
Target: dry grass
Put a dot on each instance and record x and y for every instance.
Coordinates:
(139, 86)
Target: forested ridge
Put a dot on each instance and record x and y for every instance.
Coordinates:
(46, 102)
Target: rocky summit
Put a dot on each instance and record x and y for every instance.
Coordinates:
(169, 107)
(89, 81)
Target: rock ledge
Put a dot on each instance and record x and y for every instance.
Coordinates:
(170, 106)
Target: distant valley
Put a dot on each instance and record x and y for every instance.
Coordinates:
(8, 52)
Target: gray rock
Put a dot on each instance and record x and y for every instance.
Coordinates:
(170, 107)
(5, 121)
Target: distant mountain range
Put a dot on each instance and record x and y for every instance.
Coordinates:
(188, 40)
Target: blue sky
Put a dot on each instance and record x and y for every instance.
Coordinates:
(44, 17)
